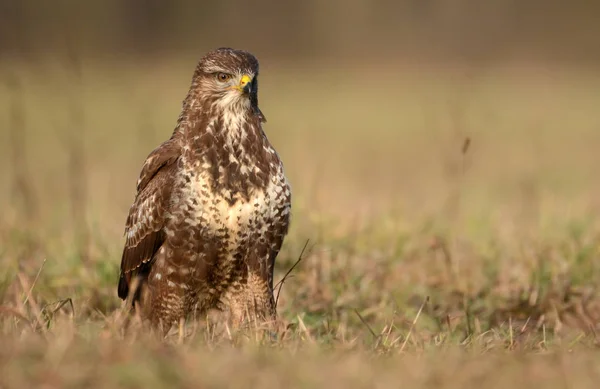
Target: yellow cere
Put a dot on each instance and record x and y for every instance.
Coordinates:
(245, 79)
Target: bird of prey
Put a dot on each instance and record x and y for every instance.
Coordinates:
(212, 206)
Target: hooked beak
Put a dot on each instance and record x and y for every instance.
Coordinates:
(245, 84)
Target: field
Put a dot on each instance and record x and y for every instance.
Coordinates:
(444, 218)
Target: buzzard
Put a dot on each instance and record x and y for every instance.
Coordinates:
(212, 206)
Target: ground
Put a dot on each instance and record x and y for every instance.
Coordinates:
(445, 219)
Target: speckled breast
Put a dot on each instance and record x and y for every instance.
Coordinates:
(230, 226)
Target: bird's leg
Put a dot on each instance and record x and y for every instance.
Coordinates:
(167, 307)
(250, 300)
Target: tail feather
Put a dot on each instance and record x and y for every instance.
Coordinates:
(123, 288)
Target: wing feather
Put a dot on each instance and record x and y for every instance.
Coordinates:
(144, 232)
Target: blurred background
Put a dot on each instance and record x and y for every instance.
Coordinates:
(475, 117)
(356, 30)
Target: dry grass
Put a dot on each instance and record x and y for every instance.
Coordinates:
(429, 263)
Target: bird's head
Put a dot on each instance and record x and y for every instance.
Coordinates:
(228, 78)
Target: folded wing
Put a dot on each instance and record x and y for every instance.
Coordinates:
(144, 228)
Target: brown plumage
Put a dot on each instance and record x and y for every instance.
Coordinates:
(212, 206)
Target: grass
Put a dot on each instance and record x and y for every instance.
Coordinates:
(427, 263)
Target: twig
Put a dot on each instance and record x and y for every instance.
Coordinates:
(34, 306)
(304, 329)
(280, 283)
(61, 303)
(37, 276)
(414, 323)
(375, 336)
(49, 315)
(465, 149)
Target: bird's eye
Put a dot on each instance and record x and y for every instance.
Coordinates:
(223, 77)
